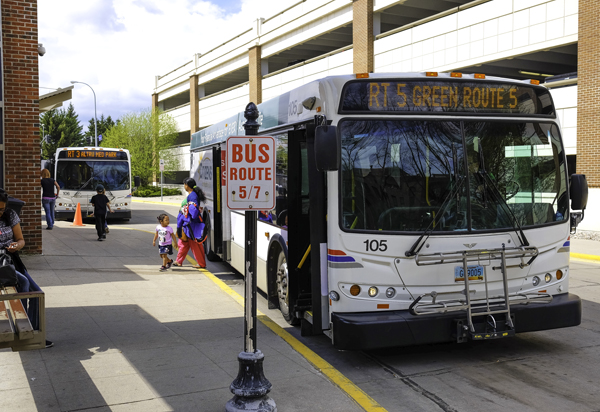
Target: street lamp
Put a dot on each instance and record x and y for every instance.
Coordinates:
(95, 119)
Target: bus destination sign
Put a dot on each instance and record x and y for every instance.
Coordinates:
(250, 170)
(92, 154)
(421, 96)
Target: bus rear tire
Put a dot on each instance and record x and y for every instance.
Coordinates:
(283, 296)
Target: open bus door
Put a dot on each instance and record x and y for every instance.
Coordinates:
(306, 233)
(210, 179)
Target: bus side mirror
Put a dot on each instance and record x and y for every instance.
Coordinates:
(137, 181)
(327, 148)
(579, 195)
(578, 192)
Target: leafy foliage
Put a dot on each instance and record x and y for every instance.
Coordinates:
(148, 191)
(103, 125)
(147, 135)
(61, 128)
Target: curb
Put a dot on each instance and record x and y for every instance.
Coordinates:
(156, 202)
(585, 257)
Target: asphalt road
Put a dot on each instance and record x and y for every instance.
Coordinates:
(554, 370)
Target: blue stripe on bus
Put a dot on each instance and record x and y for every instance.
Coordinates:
(332, 258)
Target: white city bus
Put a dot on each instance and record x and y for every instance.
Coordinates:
(392, 187)
(78, 170)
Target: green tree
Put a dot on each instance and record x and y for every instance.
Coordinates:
(148, 135)
(59, 128)
(103, 125)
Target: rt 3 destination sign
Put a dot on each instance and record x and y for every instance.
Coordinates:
(250, 172)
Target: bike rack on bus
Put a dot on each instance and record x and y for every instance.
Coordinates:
(487, 306)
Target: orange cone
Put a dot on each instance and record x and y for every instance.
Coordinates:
(77, 221)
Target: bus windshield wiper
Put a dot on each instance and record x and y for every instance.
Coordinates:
(416, 247)
(489, 183)
(84, 185)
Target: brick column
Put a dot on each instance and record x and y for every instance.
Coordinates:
(255, 74)
(21, 115)
(588, 115)
(362, 36)
(194, 113)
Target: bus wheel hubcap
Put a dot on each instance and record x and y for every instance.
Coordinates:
(282, 285)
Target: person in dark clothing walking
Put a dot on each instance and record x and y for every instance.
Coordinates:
(48, 197)
(100, 203)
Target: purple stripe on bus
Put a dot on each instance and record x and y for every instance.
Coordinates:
(340, 258)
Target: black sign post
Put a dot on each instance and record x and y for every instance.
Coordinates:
(250, 387)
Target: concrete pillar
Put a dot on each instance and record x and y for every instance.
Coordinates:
(362, 36)
(376, 24)
(255, 74)
(264, 66)
(588, 82)
(154, 101)
(194, 112)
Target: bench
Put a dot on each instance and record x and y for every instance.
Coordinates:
(16, 331)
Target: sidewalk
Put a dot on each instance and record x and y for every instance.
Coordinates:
(130, 338)
(585, 249)
(166, 200)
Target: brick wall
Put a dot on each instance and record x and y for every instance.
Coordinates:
(21, 115)
(362, 36)
(588, 82)
(255, 74)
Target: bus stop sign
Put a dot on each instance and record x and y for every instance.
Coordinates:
(250, 172)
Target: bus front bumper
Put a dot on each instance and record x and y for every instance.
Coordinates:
(377, 330)
(70, 215)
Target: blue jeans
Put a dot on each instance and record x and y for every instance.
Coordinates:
(49, 209)
(27, 284)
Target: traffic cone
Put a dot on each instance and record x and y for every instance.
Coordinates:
(77, 221)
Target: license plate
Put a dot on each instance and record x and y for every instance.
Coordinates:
(475, 273)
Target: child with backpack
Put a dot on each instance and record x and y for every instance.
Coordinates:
(101, 204)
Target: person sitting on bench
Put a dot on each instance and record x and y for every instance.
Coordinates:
(11, 239)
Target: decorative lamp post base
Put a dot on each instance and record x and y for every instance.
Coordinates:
(239, 404)
(250, 387)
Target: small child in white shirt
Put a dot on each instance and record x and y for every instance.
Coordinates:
(164, 234)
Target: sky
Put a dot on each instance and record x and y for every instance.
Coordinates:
(118, 47)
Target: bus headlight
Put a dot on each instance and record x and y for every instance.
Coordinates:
(333, 295)
(535, 281)
(373, 291)
(390, 292)
(548, 277)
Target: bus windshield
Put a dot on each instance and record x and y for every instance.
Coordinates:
(87, 174)
(414, 175)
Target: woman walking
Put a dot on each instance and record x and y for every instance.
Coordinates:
(192, 226)
(48, 197)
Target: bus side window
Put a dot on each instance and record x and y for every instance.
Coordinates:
(281, 199)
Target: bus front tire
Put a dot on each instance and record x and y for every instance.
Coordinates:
(283, 296)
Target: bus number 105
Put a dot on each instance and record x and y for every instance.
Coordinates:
(376, 245)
